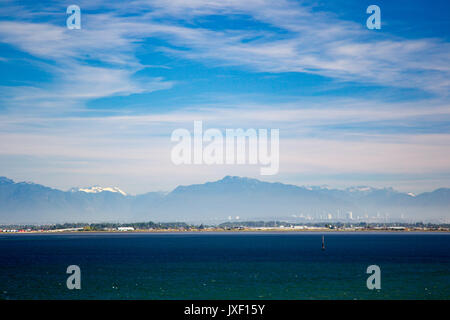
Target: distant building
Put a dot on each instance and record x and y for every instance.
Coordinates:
(396, 228)
(125, 228)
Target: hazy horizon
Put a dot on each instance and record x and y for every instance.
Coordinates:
(230, 198)
(259, 178)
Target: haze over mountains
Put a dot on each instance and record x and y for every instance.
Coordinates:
(218, 201)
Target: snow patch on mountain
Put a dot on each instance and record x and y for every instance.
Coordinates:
(360, 189)
(97, 189)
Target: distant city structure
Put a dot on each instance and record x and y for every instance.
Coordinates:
(125, 229)
(226, 226)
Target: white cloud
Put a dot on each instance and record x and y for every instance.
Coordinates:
(69, 55)
(317, 43)
(128, 145)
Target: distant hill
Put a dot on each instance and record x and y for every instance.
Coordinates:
(246, 198)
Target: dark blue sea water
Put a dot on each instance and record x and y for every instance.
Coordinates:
(225, 266)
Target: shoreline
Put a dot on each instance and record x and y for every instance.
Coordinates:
(224, 232)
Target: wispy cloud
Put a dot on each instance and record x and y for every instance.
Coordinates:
(299, 39)
(84, 64)
(140, 143)
(326, 135)
(296, 39)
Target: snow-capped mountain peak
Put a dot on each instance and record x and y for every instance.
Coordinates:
(321, 187)
(360, 189)
(98, 189)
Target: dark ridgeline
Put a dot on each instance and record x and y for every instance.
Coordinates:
(211, 202)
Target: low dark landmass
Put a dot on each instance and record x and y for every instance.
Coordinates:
(229, 226)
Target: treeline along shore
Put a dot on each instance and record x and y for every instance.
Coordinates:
(227, 226)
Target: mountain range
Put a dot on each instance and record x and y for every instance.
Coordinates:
(230, 198)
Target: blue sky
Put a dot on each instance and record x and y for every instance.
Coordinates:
(97, 105)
